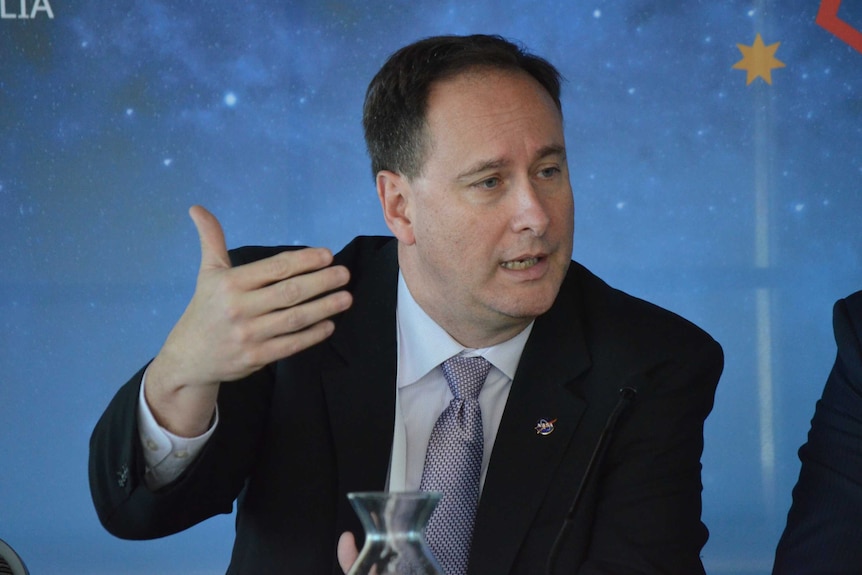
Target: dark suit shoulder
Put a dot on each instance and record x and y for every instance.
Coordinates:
(847, 325)
(630, 324)
(854, 301)
(353, 255)
(852, 310)
(823, 532)
(364, 252)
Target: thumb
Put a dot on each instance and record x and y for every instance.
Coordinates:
(347, 552)
(213, 247)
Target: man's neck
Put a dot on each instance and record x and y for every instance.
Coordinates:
(470, 334)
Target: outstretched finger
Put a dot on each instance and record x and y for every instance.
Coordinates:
(297, 318)
(281, 266)
(213, 246)
(296, 290)
(289, 344)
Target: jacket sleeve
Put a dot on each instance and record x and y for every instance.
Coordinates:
(824, 525)
(127, 508)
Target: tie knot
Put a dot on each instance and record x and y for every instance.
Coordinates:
(466, 375)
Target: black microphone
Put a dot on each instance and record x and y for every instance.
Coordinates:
(627, 395)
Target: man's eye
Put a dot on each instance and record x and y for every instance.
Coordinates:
(549, 172)
(489, 183)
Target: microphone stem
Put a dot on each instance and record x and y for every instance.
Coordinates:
(627, 394)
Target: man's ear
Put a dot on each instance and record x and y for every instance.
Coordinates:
(395, 196)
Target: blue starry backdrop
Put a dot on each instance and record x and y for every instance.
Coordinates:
(714, 150)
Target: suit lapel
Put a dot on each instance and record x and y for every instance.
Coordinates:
(523, 460)
(359, 388)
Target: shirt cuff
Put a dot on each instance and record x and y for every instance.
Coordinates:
(166, 455)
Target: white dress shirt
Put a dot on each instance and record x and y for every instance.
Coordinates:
(422, 392)
(421, 396)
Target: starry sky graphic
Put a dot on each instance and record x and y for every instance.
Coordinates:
(735, 204)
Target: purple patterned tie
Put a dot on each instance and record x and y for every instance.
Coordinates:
(453, 464)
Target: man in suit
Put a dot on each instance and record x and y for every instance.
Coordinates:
(294, 378)
(824, 525)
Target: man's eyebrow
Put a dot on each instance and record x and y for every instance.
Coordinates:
(495, 164)
(481, 166)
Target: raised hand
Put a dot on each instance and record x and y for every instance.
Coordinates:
(239, 320)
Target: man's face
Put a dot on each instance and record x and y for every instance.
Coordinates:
(486, 235)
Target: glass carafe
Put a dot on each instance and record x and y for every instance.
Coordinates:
(395, 533)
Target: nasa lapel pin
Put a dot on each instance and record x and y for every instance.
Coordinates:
(545, 426)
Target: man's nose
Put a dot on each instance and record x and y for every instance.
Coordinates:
(530, 212)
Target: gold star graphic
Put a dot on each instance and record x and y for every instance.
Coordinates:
(758, 60)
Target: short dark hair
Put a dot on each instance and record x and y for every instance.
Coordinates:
(397, 98)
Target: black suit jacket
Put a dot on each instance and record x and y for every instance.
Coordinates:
(296, 437)
(824, 526)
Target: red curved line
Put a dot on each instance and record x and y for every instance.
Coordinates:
(828, 8)
(827, 18)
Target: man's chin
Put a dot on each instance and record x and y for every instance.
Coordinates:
(528, 308)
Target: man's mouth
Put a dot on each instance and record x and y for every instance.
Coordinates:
(520, 264)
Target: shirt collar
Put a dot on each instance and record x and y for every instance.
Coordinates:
(423, 344)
